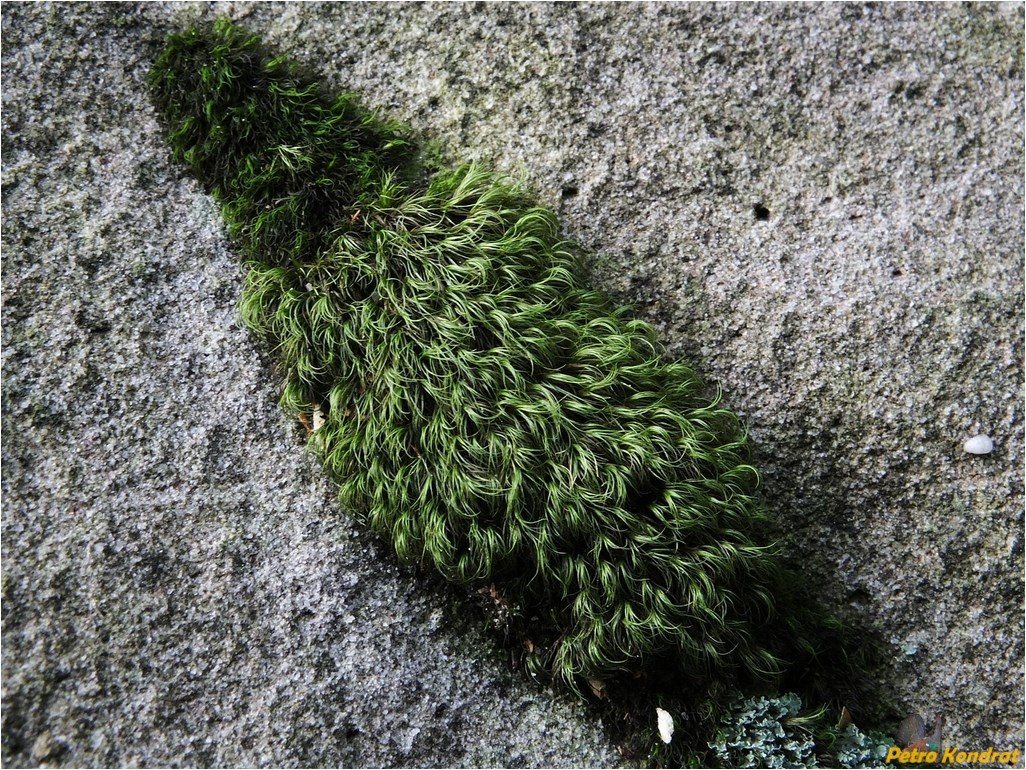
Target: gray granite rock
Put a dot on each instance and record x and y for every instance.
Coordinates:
(820, 206)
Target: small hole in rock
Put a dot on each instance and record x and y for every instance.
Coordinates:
(761, 212)
(568, 192)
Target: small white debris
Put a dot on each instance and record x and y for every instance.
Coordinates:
(665, 722)
(979, 445)
(318, 419)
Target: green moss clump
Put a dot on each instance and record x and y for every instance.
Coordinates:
(491, 417)
(262, 136)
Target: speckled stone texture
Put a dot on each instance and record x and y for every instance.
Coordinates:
(820, 206)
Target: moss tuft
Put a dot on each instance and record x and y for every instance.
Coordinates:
(284, 158)
(490, 416)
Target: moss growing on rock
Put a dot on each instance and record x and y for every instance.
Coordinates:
(491, 417)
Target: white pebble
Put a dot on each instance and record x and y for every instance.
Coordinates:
(665, 722)
(979, 445)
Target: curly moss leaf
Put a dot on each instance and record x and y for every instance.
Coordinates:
(490, 416)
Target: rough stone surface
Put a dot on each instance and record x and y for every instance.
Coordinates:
(820, 206)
